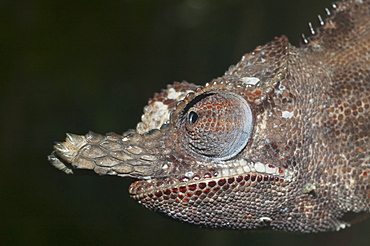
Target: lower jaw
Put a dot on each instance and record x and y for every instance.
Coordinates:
(185, 188)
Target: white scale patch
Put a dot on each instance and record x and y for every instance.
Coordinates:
(240, 167)
(173, 94)
(250, 81)
(287, 114)
(156, 114)
(265, 219)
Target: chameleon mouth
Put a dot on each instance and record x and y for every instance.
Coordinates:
(190, 186)
(241, 167)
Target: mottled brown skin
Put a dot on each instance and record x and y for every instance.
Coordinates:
(280, 141)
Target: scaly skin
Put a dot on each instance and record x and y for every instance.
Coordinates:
(280, 141)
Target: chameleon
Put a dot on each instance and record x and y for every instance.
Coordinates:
(280, 141)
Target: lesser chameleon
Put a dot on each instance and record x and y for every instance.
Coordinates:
(280, 141)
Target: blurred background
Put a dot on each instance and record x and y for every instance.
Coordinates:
(75, 66)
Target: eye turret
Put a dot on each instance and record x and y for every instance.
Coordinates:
(217, 125)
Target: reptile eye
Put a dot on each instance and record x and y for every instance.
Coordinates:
(193, 117)
(217, 125)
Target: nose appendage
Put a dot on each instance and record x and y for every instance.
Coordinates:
(127, 155)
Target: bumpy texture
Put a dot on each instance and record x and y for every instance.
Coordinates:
(280, 141)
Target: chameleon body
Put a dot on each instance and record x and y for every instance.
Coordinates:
(280, 141)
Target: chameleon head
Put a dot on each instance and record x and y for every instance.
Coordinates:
(205, 181)
(186, 153)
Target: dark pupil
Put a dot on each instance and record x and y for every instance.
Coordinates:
(193, 117)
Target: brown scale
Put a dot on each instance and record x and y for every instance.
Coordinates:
(280, 141)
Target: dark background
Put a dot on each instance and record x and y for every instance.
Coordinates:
(75, 66)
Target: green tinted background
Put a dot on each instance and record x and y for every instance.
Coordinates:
(75, 66)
